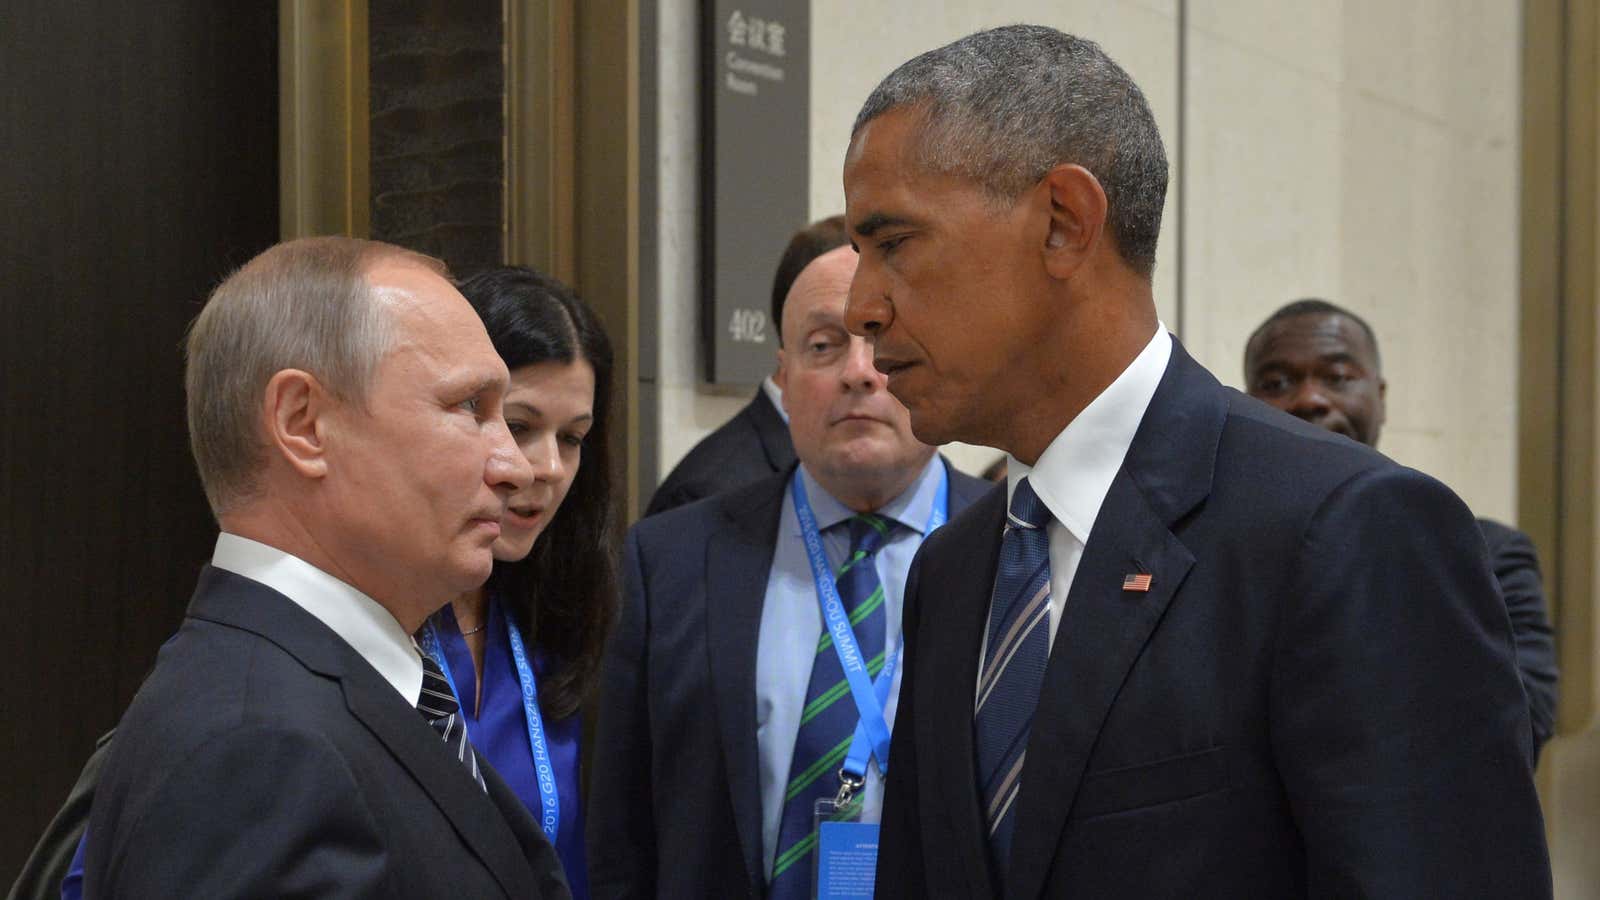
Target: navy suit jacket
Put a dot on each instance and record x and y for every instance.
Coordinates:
(1315, 698)
(675, 806)
(1516, 568)
(748, 447)
(265, 757)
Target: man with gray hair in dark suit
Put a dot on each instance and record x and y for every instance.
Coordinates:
(345, 417)
(1197, 647)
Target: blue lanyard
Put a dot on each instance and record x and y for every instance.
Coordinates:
(543, 768)
(872, 730)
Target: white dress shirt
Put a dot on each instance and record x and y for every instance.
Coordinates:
(1074, 473)
(775, 396)
(366, 626)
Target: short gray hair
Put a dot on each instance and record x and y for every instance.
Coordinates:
(305, 304)
(1003, 107)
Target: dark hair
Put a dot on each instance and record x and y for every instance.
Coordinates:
(564, 594)
(1005, 106)
(806, 245)
(1312, 306)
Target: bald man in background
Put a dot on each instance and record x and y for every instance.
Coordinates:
(1320, 362)
(722, 708)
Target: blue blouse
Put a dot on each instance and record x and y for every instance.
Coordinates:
(498, 729)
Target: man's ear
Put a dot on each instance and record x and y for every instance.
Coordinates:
(296, 408)
(1077, 218)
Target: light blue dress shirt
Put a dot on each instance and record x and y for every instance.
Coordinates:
(791, 625)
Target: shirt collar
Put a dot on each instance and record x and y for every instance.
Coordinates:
(1074, 473)
(912, 508)
(775, 395)
(361, 621)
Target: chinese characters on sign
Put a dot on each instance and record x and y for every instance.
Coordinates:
(757, 34)
(755, 188)
(767, 37)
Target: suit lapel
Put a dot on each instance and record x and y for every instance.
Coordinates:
(233, 600)
(422, 754)
(1102, 630)
(954, 588)
(738, 560)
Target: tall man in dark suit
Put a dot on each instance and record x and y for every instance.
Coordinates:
(725, 712)
(1198, 648)
(1319, 362)
(754, 443)
(344, 412)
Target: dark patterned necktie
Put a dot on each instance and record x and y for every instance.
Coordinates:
(438, 705)
(829, 719)
(1016, 651)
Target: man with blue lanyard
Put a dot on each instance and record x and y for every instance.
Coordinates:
(754, 673)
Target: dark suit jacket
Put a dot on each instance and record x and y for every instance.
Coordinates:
(748, 447)
(675, 806)
(265, 757)
(47, 865)
(1315, 698)
(1516, 568)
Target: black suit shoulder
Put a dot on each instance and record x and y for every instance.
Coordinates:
(753, 444)
(265, 756)
(188, 759)
(1516, 568)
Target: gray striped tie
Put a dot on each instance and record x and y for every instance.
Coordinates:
(438, 705)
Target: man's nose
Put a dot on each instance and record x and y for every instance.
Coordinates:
(1309, 401)
(858, 373)
(867, 310)
(508, 470)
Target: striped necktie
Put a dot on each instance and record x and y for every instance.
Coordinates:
(1016, 651)
(438, 705)
(829, 718)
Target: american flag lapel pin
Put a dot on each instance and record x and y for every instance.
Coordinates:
(1136, 582)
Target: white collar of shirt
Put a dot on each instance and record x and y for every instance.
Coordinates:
(774, 394)
(1074, 473)
(366, 626)
(912, 508)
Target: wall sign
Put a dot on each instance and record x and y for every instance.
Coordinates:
(755, 192)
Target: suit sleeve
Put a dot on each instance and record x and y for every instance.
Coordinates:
(50, 865)
(1516, 567)
(257, 811)
(1397, 721)
(901, 871)
(621, 825)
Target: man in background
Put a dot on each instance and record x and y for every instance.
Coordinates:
(1320, 362)
(724, 711)
(345, 417)
(754, 443)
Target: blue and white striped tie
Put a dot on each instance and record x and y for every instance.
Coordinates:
(439, 706)
(1016, 651)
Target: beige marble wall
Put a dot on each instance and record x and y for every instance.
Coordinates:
(1359, 150)
(1366, 152)
(688, 409)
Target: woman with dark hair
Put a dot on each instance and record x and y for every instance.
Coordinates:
(523, 652)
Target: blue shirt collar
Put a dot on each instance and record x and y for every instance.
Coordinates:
(912, 508)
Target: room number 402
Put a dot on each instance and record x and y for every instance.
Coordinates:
(748, 326)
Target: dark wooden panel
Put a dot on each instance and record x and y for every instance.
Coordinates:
(437, 91)
(140, 165)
